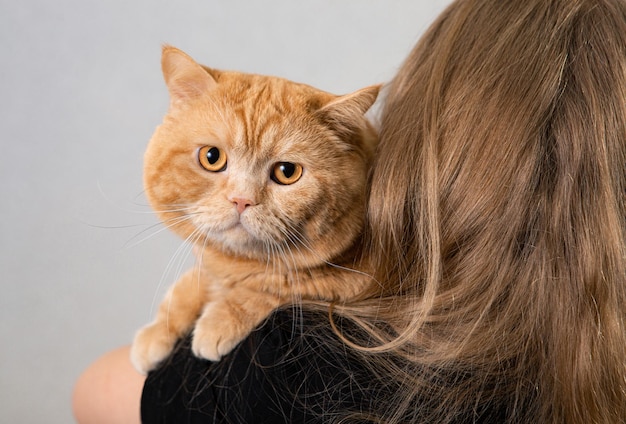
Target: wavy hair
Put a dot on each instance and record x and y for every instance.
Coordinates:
(497, 217)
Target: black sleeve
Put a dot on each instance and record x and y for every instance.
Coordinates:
(284, 371)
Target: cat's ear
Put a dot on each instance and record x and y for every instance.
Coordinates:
(345, 113)
(185, 79)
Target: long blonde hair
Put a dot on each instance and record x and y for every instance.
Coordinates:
(497, 216)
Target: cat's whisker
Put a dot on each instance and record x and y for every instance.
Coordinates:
(276, 262)
(295, 239)
(198, 234)
(181, 256)
(287, 256)
(117, 206)
(294, 235)
(282, 261)
(181, 209)
(157, 208)
(279, 262)
(184, 245)
(200, 257)
(150, 211)
(156, 212)
(267, 247)
(206, 241)
(167, 224)
(175, 207)
(109, 200)
(191, 241)
(112, 227)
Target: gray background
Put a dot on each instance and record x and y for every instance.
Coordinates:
(80, 93)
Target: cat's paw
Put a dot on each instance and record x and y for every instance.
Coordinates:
(214, 338)
(152, 344)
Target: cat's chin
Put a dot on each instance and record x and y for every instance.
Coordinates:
(237, 240)
(238, 234)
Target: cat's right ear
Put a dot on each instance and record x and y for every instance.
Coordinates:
(185, 79)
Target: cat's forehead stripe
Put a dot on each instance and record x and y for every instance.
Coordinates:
(262, 109)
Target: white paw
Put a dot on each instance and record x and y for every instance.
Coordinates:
(152, 344)
(217, 332)
(211, 343)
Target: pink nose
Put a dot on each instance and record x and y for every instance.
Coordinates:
(241, 204)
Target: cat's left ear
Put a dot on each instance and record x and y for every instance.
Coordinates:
(185, 79)
(345, 113)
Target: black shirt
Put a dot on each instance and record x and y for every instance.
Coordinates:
(288, 370)
(285, 371)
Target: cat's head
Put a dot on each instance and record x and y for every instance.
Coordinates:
(258, 166)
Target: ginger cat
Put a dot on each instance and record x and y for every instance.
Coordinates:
(267, 178)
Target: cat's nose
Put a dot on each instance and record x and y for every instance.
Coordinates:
(242, 203)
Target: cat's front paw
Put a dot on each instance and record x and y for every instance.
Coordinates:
(152, 344)
(214, 337)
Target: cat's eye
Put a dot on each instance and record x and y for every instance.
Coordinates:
(212, 158)
(286, 173)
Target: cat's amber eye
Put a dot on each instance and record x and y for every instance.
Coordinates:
(286, 173)
(212, 158)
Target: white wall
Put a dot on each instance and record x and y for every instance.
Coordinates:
(80, 93)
